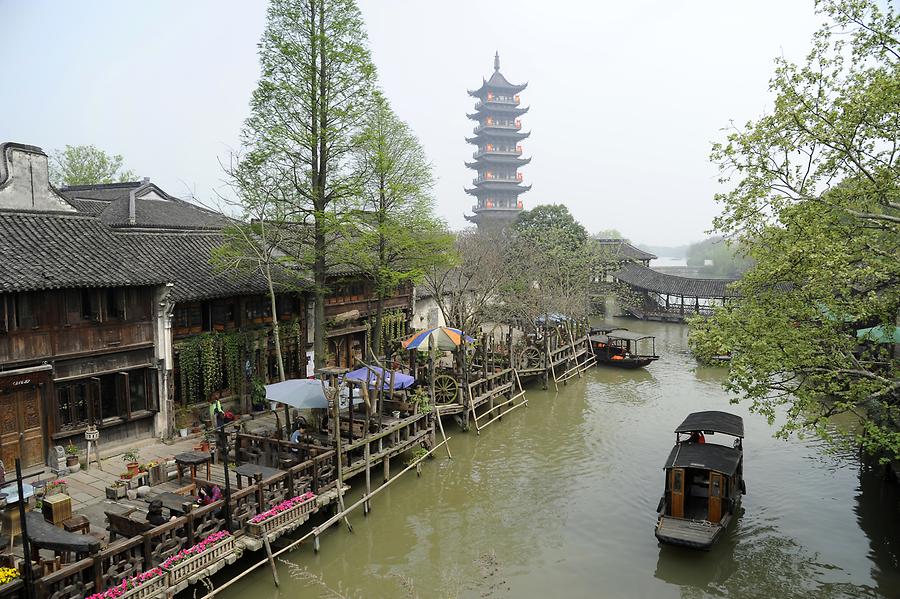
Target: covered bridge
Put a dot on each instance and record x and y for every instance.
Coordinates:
(670, 297)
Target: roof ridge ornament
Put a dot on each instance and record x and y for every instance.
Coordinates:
(497, 60)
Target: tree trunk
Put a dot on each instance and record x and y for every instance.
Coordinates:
(378, 333)
(275, 328)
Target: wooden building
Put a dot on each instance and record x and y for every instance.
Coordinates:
(221, 340)
(79, 316)
(350, 307)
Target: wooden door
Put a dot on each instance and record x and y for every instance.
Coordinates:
(20, 410)
(677, 490)
(715, 496)
(9, 430)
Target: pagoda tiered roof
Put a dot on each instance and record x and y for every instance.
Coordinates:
(504, 109)
(498, 132)
(499, 160)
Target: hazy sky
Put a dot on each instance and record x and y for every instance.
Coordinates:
(625, 96)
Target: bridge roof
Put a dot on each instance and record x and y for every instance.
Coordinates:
(620, 248)
(642, 277)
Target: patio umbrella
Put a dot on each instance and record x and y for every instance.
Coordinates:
(401, 381)
(302, 394)
(441, 338)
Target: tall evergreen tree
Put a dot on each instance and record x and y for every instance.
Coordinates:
(310, 103)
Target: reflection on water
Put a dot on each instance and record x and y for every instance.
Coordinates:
(559, 500)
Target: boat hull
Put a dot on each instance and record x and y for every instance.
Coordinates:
(625, 362)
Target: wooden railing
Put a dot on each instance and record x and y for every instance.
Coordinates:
(128, 557)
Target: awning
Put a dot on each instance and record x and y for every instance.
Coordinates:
(713, 422)
(401, 380)
(706, 456)
(303, 394)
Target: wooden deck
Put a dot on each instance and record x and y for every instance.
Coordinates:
(697, 534)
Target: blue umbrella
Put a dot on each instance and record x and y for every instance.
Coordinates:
(401, 381)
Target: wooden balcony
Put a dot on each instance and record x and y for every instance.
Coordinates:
(74, 340)
(342, 304)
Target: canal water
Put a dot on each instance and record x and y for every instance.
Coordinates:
(558, 500)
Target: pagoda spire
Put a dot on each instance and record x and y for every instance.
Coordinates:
(497, 60)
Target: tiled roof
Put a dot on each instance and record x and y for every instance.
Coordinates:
(92, 207)
(162, 214)
(161, 211)
(619, 248)
(185, 258)
(52, 250)
(105, 192)
(642, 277)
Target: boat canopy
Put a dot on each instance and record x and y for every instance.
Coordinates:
(624, 334)
(707, 456)
(713, 422)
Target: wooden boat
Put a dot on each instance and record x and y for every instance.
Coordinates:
(704, 481)
(623, 348)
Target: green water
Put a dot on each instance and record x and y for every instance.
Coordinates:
(558, 500)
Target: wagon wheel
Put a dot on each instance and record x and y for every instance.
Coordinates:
(529, 357)
(445, 389)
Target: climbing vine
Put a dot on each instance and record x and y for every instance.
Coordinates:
(189, 366)
(211, 363)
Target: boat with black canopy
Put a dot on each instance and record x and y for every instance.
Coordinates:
(623, 348)
(704, 481)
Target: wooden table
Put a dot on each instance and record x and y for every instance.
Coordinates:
(191, 459)
(251, 470)
(178, 505)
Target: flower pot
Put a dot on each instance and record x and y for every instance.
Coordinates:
(186, 568)
(71, 460)
(134, 468)
(115, 492)
(289, 518)
(183, 432)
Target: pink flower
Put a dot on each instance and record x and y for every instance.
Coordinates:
(282, 507)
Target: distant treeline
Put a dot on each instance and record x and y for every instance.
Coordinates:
(727, 259)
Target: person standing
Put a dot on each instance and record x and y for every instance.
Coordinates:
(216, 413)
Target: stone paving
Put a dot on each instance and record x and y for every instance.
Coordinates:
(87, 488)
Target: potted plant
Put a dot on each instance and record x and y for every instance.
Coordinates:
(258, 394)
(71, 455)
(116, 490)
(183, 419)
(204, 443)
(130, 458)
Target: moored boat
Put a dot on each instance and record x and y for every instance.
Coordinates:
(623, 348)
(704, 481)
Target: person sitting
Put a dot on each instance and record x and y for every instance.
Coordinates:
(155, 513)
(210, 494)
(697, 437)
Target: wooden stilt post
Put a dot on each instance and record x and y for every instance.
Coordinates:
(271, 559)
(336, 402)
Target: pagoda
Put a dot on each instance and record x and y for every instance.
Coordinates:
(498, 153)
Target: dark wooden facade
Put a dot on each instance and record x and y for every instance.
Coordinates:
(349, 314)
(250, 315)
(74, 357)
